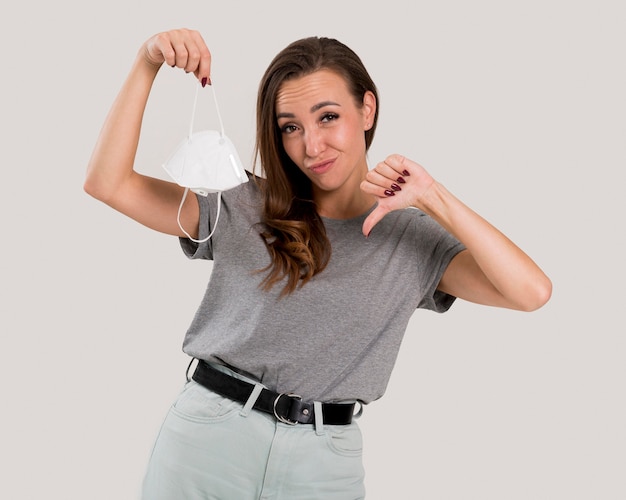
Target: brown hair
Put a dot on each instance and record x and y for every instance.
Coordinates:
(293, 230)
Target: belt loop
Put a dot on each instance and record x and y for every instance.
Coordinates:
(245, 411)
(360, 412)
(188, 368)
(319, 418)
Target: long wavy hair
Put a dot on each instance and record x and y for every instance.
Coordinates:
(292, 230)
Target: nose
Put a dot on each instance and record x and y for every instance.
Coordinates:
(313, 142)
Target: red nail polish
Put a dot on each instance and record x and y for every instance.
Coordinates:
(389, 192)
(204, 81)
(395, 187)
(405, 173)
(401, 180)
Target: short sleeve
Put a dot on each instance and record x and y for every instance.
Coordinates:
(437, 247)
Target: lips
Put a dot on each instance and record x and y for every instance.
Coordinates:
(321, 167)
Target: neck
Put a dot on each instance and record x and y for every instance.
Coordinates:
(343, 204)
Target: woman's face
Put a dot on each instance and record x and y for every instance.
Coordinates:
(323, 130)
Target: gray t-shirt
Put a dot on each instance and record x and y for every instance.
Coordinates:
(337, 337)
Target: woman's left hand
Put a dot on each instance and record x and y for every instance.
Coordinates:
(398, 183)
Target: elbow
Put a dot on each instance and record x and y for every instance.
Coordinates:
(97, 188)
(94, 190)
(539, 296)
(90, 187)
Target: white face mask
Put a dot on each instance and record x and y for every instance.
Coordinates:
(205, 162)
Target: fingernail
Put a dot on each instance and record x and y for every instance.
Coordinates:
(204, 80)
(405, 173)
(389, 192)
(395, 187)
(401, 180)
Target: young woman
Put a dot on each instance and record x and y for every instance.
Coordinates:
(319, 264)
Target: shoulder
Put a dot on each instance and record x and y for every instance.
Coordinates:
(407, 220)
(414, 227)
(246, 191)
(244, 201)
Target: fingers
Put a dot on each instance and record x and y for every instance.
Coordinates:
(183, 49)
(388, 178)
(373, 218)
(398, 183)
(397, 175)
(384, 181)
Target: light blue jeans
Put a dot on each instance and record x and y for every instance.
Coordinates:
(212, 448)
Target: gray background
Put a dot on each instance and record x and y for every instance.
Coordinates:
(517, 107)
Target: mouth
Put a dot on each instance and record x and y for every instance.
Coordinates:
(322, 166)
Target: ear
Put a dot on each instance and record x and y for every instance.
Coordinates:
(369, 109)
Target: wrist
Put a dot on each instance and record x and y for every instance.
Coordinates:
(146, 62)
(435, 201)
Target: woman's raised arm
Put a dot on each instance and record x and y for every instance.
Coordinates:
(111, 177)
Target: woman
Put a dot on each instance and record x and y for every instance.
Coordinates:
(317, 270)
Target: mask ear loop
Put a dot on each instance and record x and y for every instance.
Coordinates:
(217, 109)
(217, 216)
(219, 193)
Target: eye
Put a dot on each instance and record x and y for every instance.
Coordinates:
(288, 129)
(329, 117)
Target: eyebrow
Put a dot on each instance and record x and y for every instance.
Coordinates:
(314, 108)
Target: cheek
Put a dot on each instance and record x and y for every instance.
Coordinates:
(351, 137)
(293, 150)
(351, 129)
(347, 137)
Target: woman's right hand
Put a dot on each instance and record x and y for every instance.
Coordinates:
(180, 48)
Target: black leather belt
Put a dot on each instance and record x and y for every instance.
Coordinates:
(287, 408)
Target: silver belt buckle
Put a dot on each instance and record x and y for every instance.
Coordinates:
(281, 418)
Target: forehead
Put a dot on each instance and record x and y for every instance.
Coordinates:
(308, 90)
